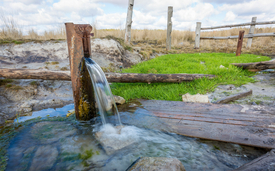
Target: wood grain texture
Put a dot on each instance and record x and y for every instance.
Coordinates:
(234, 97)
(256, 65)
(111, 77)
(245, 125)
(238, 25)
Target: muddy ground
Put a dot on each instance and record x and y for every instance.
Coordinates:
(22, 97)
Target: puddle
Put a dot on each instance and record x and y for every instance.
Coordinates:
(51, 141)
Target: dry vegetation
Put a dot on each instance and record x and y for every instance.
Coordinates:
(152, 42)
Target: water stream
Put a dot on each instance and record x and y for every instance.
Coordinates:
(51, 141)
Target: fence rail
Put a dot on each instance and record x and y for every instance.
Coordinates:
(250, 36)
(238, 25)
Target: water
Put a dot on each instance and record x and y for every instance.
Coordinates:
(51, 144)
(103, 94)
(54, 142)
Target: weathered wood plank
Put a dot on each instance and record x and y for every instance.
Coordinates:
(251, 32)
(234, 97)
(238, 25)
(245, 36)
(198, 35)
(169, 27)
(246, 125)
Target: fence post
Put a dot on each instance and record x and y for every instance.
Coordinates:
(251, 31)
(198, 35)
(129, 22)
(240, 43)
(169, 28)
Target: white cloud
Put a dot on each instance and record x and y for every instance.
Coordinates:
(230, 16)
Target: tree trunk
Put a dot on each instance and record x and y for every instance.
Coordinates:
(169, 28)
(111, 77)
(257, 66)
(129, 22)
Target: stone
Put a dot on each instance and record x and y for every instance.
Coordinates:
(112, 139)
(195, 98)
(119, 100)
(44, 158)
(156, 164)
(50, 132)
(137, 49)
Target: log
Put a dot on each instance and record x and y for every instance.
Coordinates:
(111, 77)
(129, 22)
(169, 27)
(153, 78)
(265, 162)
(233, 97)
(257, 66)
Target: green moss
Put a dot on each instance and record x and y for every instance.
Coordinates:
(54, 63)
(16, 88)
(64, 69)
(8, 85)
(87, 154)
(33, 83)
(5, 81)
(216, 147)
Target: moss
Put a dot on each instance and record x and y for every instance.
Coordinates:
(216, 148)
(33, 83)
(8, 85)
(5, 81)
(54, 63)
(16, 88)
(47, 63)
(64, 69)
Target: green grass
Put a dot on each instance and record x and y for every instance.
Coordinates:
(199, 63)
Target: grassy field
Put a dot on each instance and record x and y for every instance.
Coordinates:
(198, 63)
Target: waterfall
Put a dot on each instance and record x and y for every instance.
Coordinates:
(103, 94)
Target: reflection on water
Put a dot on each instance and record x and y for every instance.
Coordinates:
(72, 145)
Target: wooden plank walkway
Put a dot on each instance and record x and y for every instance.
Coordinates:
(246, 125)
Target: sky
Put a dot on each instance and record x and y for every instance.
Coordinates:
(42, 15)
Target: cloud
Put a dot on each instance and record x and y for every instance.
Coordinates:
(230, 16)
(84, 8)
(226, 1)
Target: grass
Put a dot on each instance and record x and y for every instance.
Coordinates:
(5, 81)
(198, 63)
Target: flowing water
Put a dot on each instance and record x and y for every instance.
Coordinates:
(50, 141)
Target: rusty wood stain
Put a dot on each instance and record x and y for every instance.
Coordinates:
(78, 39)
(240, 43)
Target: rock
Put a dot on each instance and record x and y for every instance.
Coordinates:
(156, 164)
(137, 49)
(195, 98)
(49, 132)
(115, 138)
(119, 100)
(44, 158)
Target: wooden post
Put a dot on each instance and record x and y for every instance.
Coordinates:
(78, 39)
(129, 22)
(251, 31)
(198, 35)
(169, 28)
(240, 43)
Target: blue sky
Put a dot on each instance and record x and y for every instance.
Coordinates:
(42, 15)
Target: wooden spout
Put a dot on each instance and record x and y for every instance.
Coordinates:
(78, 39)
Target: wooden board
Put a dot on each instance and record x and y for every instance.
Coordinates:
(245, 125)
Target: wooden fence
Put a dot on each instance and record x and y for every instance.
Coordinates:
(250, 35)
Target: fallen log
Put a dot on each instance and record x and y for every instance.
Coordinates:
(233, 97)
(153, 78)
(257, 66)
(265, 162)
(111, 77)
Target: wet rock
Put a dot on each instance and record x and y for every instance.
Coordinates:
(195, 98)
(119, 100)
(112, 139)
(50, 132)
(157, 164)
(44, 158)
